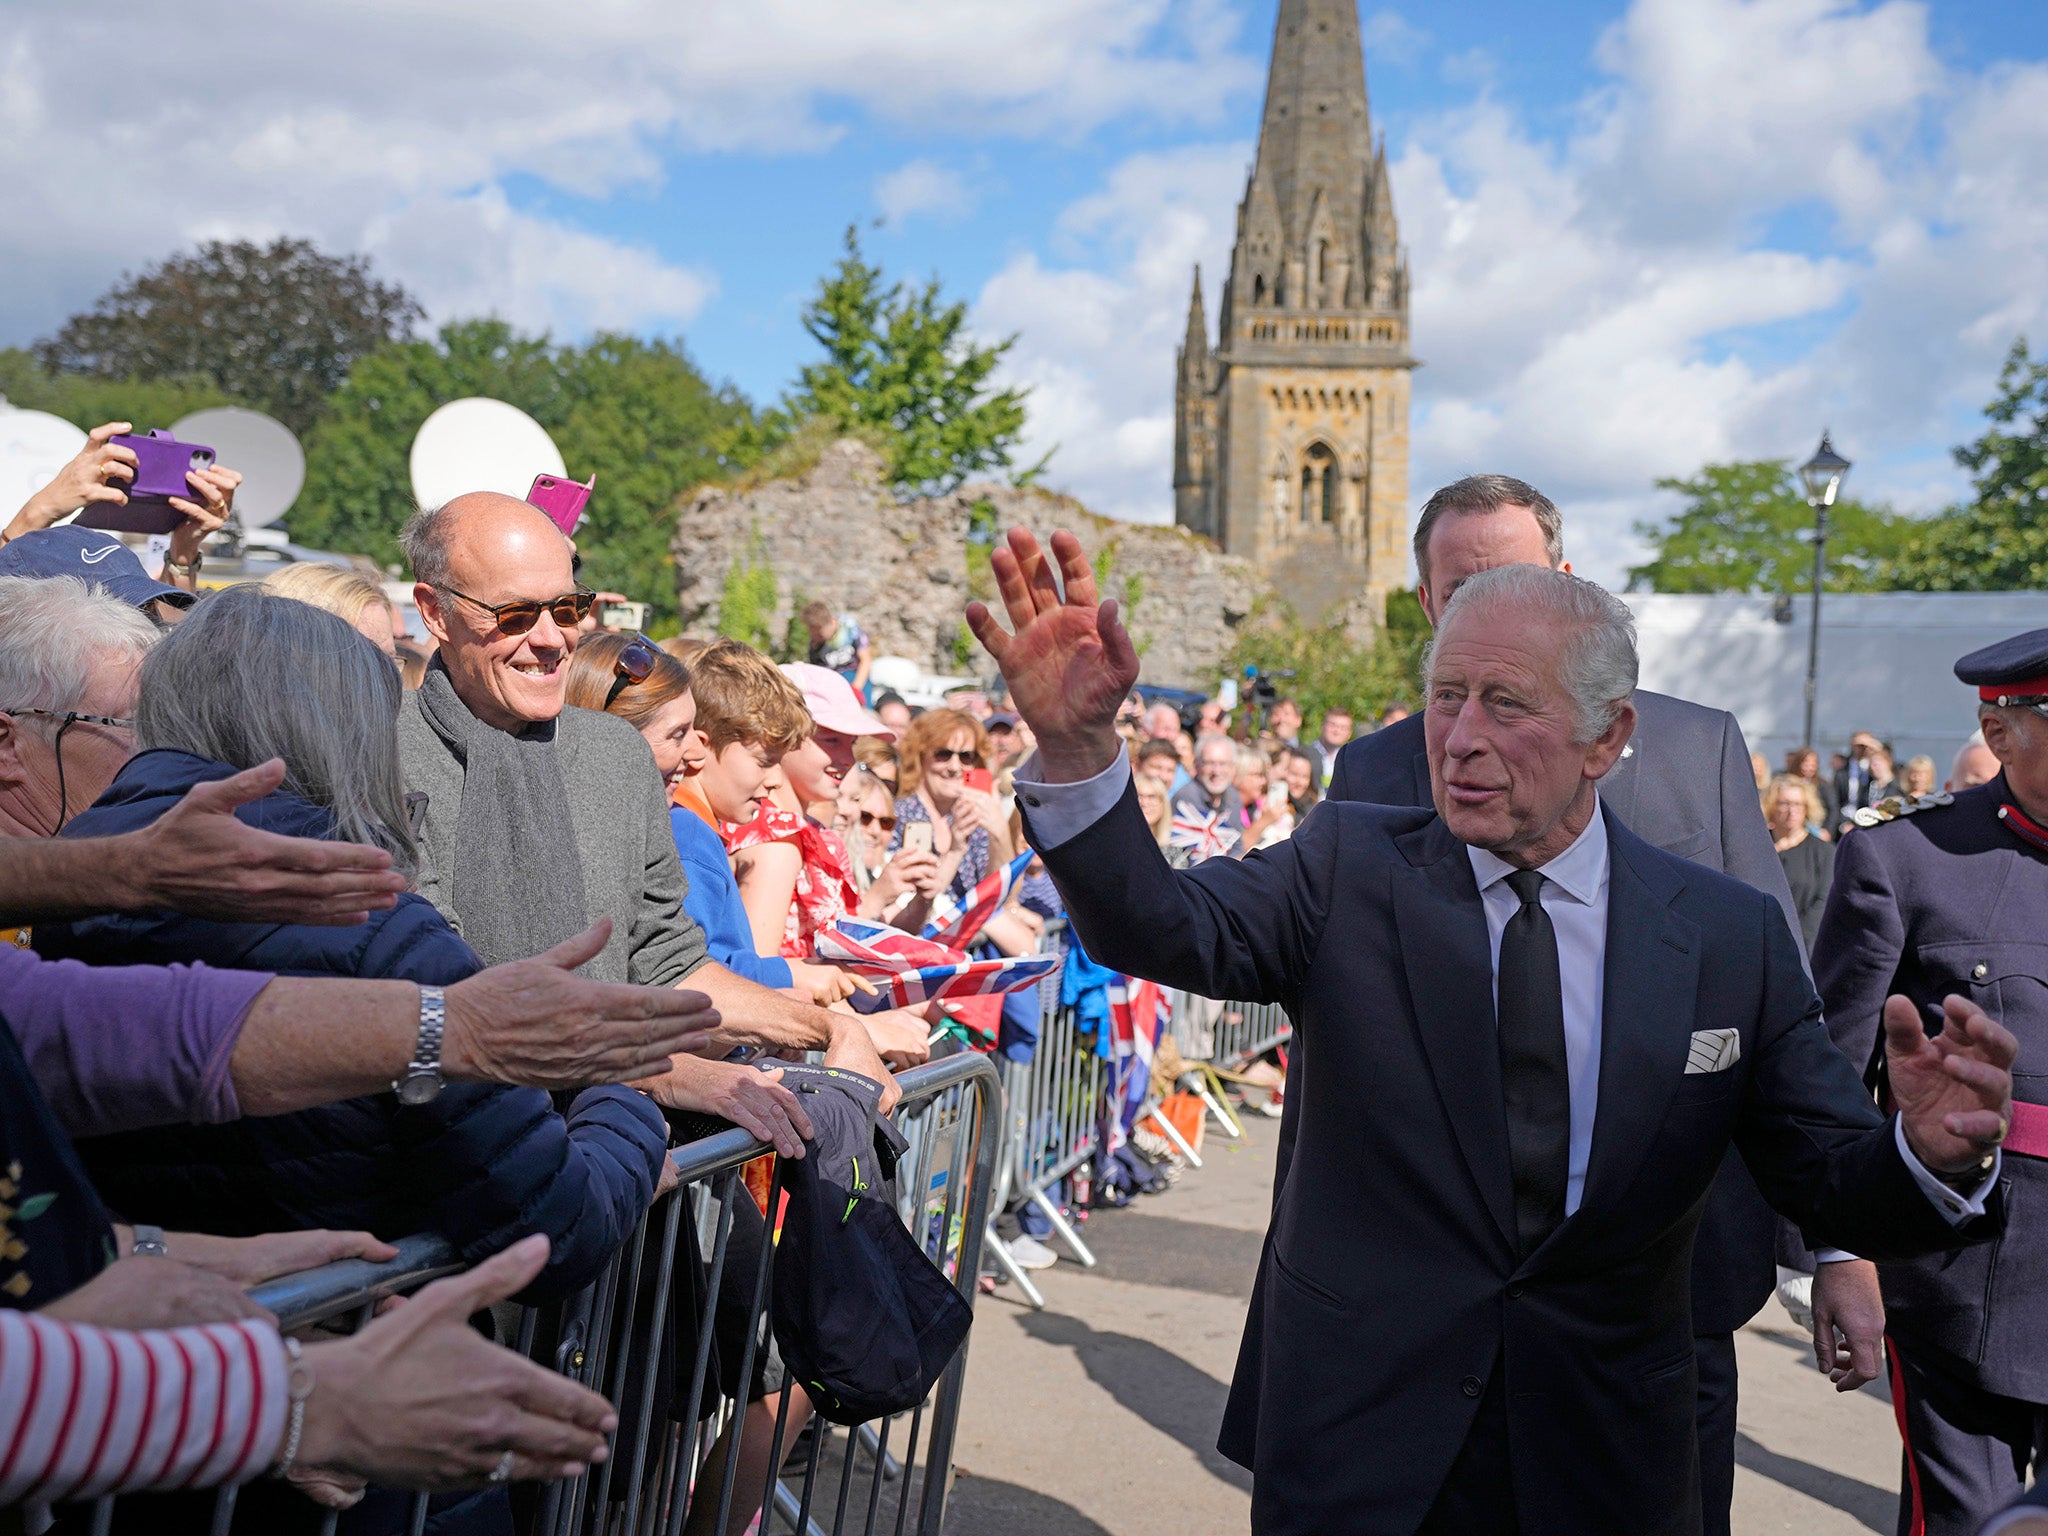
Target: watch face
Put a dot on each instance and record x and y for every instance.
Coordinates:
(417, 1087)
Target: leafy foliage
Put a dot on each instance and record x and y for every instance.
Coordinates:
(900, 360)
(1331, 668)
(86, 401)
(1746, 527)
(277, 326)
(636, 412)
(1999, 542)
(746, 602)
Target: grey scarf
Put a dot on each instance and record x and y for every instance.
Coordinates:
(517, 884)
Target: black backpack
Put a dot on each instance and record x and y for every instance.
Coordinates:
(863, 1318)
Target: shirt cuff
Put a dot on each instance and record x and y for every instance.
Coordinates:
(2006, 1519)
(1833, 1256)
(1955, 1207)
(1062, 812)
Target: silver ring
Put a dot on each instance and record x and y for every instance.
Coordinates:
(502, 1472)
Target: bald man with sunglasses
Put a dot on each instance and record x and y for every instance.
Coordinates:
(538, 819)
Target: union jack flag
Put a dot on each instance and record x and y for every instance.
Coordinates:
(917, 970)
(1205, 837)
(955, 924)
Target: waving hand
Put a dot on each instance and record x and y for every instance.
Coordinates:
(1068, 660)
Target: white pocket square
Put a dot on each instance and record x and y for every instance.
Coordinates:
(1713, 1050)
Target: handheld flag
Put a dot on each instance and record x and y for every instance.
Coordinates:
(957, 925)
(1205, 837)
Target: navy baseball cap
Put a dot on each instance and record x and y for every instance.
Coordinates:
(92, 555)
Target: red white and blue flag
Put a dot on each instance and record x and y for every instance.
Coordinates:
(1205, 837)
(955, 924)
(915, 970)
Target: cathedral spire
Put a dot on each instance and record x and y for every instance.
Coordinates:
(1197, 343)
(1317, 129)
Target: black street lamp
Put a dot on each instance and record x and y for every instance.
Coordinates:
(1822, 475)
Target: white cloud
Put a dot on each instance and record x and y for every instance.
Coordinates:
(1618, 305)
(343, 118)
(922, 187)
(1389, 37)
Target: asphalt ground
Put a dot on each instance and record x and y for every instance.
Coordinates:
(1099, 1414)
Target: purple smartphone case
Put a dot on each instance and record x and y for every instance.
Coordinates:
(161, 464)
(562, 500)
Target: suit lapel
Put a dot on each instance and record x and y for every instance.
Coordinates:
(1424, 795)
(1652, 979)
(1445, 952)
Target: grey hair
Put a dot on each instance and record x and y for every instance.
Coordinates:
(249, 676)
(1210, 739)
(1598, 662)
(424, 538)
(56, 633)
(1487, 493)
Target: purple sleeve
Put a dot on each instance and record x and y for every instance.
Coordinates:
(116, 1048)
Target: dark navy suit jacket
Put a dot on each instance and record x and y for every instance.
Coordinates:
(1686, 786)
(1390, 1289)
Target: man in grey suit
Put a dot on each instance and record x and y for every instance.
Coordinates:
(1684, 785)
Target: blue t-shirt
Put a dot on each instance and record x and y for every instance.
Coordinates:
(714, 901)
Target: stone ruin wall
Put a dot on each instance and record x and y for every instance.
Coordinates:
(838, 533)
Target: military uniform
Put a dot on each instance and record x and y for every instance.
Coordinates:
(1949, 894)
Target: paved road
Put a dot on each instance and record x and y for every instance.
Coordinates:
(1098, 1415)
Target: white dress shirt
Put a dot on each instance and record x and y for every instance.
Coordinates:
(1574, 896)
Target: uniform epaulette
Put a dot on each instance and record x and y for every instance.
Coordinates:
(1892, 807)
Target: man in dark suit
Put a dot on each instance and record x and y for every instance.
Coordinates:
(1951, 895)
(1534, 1036)
(1855, 784)
(1683, 784)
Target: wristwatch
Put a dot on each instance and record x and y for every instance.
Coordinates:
(189, 572)
(423, 1081)
(149, 1242)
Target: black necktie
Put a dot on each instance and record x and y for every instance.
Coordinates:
(1533, 1074)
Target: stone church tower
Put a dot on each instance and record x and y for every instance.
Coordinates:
(1291, 436)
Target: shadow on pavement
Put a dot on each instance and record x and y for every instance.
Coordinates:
(1873, 1507)
(1166, 1250)
(1164, 1390)
(1802, 1346)
(983, 1506)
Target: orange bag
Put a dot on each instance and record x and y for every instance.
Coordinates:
(1186, 1112)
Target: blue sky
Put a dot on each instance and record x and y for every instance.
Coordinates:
(1643, 235)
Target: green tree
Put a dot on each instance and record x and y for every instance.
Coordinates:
(277, 326)
(86, 401)
(1746, 527)
(900, 359)
(1333, 669)
(637, 413)
(1999, 541)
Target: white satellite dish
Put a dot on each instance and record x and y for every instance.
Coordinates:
(480, 445)
(34, 445)
(262, 448)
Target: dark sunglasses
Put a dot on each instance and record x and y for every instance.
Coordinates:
(870, 819)
(967, 759)
(633, 665)
(569, 610)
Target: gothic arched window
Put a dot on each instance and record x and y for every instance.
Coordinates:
(1319, 485)
(1259, 288)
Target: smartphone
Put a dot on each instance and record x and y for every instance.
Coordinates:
(631, 617)
(981, 779)
(918, 837)
(562, 500)
(162, 463)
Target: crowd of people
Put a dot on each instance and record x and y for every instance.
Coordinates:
(325, 935)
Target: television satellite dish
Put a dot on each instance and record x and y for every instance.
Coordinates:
(272, 464)
(480, 445)
(34, 445)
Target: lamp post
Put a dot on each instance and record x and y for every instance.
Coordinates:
(1822, 475)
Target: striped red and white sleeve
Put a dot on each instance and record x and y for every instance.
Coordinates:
(86, 1411)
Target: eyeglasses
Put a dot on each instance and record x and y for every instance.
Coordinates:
(633, 665)
(569, 610)
(72, 717)
(870, 819)
(966, 759)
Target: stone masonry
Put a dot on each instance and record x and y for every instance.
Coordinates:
(838, 533)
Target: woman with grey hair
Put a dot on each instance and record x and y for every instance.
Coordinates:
(248, 677)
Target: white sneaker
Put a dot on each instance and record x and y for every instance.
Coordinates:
(1027, 1252)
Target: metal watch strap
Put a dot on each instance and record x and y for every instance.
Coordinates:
(190, 570)
(425, 1066)
(149, 1242)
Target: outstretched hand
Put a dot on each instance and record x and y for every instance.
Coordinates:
(1068, 660)
(1954, 1089)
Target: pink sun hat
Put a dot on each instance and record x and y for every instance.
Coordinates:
(832, 702)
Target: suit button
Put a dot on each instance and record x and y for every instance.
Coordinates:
(1515, 1292)
(1979, 971)
(1470, 1386)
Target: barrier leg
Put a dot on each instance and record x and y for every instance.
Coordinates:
(1172, 1134)
(1013, 1269)
(1065, 1228)
(1215, 1106)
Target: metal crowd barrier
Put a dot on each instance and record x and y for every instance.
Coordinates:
(612, 1336)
